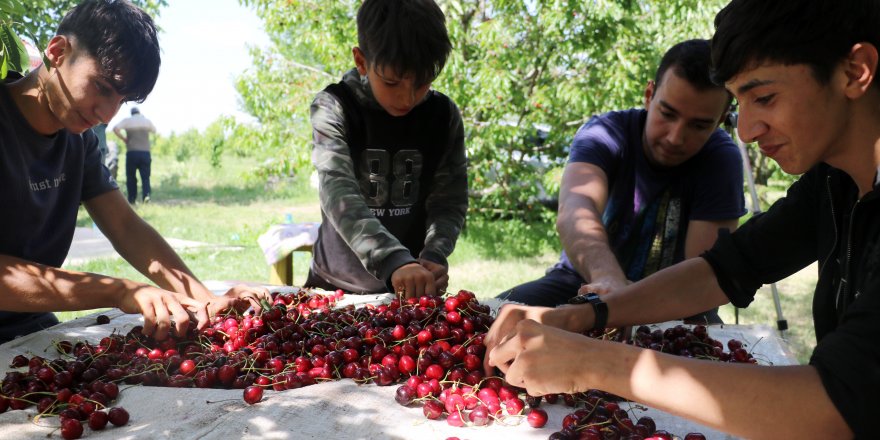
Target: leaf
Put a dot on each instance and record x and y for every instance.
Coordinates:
(15, 54)
(4, 68)
(11, 7)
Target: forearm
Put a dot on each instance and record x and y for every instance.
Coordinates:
(586, 245)
(152, 256)
(120, 135)
(585, 240)
(685, 289)
(442, 233)
(746, 400)
(32, 287)
(371, 242)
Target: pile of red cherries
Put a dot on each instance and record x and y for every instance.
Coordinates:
(433, 346)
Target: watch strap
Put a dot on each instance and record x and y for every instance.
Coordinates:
(600, 308)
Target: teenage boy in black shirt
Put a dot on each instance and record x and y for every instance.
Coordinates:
(803, 73)
(50, 163)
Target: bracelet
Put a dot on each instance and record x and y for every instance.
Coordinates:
(600, 308)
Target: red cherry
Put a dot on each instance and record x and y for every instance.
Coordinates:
(514, 406)
(19, 361)
(188, 367)
(253, 394)
(451, 304)
(422, 390)
(276, 365)
(405, 395)
(389, 360)
(740, 355)
(648, 422)
(494, 383)
(46, 374)
(479, 416)
(226, 374)
(63, 395)
(505, 393)
(155, 354)
(434, 371)
(454, 403)
(424, 337)
(263, 381)
(406, 364)
(350, 355)
(399, 332)
(98, 420)
(537, 418)
(454, 419)
(487, 394)
(71, 429)
(662, 435)
(433, 409)
(472, 362)
(118, 416)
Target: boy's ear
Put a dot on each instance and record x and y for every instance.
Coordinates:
(649, 93)
(860, 69)
(58, 50)
(359, 60)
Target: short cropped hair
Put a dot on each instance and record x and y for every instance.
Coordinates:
(408, 36)
(818, 33)
(691, 61)
(122, 38)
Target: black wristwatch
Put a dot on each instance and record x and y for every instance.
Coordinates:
(600, 309)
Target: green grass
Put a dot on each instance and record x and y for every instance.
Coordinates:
(796, 300)
(223, 207)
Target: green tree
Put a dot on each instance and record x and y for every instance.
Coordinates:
(38, 19)
(13, 55)
(516, 67)
(526, 75)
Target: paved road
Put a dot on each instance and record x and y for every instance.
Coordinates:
(89, 244)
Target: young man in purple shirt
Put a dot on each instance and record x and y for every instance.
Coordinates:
(645, 188)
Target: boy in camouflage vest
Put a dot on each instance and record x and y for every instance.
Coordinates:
(390, 157)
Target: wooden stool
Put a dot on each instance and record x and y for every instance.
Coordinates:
(282, 271)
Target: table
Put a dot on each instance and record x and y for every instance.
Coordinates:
(280, 242)
(335, 410)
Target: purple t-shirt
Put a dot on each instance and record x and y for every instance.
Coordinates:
(648, 207)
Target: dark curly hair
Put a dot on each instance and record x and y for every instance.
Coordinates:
(123, 40)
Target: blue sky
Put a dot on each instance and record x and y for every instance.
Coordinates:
(204, 45)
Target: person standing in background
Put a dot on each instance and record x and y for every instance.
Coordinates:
(101, 132)
(112, 159)
(137, 156)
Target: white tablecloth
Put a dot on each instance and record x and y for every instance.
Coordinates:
(335, 410)
(281, 240)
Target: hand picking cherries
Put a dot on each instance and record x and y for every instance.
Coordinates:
(296, 341)
(433, 346)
